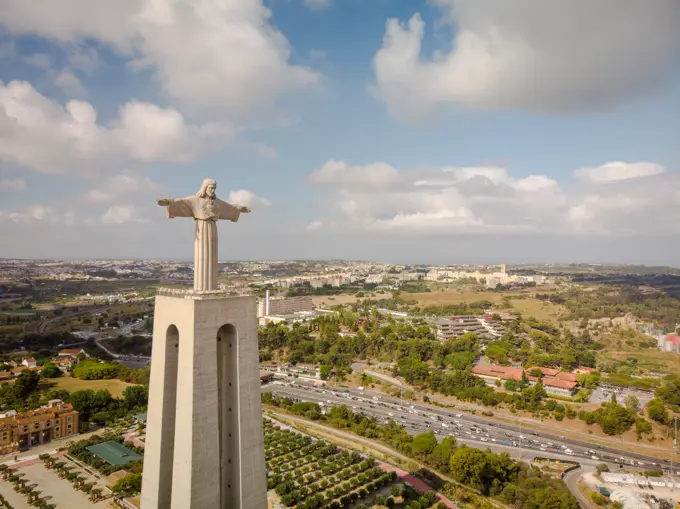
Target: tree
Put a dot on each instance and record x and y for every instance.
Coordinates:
(325, 371)
(50, 371)
(632, 403)
(136, 396)
(128, 485)
(424, 443)
(656, 410)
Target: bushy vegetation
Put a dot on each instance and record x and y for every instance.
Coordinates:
(492, 474)
(94, 369)
(98, 407)
(78, 450)
(660, 308)
(311, 475)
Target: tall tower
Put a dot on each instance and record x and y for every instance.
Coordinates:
(204, 444)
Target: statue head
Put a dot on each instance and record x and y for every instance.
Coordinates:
(207, 189)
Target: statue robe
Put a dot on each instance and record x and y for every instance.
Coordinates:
(205, 212)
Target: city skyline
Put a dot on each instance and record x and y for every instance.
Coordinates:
(439, 132)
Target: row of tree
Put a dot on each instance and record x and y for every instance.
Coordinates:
(492, 474)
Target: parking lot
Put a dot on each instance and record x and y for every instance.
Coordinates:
(55, 490)
(603, 393)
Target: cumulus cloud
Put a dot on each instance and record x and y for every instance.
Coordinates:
(31, 213)
(314, 225)
(247, 198)
(12, 184)
(214, 57)
(121, 214)
(342, 173)
(615, 171)
(71, 140)
(490, 200)
(531, 55)
(122, 187)
(69, 83)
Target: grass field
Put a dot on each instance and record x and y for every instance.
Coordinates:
(521, 301)
(445, 294)
(115, 387)
(652, 360)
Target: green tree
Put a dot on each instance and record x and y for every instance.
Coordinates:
(128, 485)
(424, 443)
(50, 371)
(656, 410)
(325, 371)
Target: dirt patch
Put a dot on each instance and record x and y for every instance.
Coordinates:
(115, 387)
(333, 300)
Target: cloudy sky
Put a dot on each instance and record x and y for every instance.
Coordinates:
(422, 131)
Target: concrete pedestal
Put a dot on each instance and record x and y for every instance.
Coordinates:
(204, 440)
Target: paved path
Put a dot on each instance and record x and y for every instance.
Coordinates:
(571, 480)
(415, 482)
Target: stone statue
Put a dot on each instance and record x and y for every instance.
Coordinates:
(205, 208)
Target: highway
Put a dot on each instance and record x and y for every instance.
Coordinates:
(466, 428)
(42, 326)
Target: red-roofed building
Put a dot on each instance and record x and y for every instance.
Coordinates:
(29, 362)
(71, 352)
(554, 381)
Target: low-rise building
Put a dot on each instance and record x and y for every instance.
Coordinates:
(20, 431)
(559, 383)
(455, 326)
(310, 370)
(71, 353)
(29, 362)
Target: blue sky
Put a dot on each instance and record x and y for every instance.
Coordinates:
(432, 132)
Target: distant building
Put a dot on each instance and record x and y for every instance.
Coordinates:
(19, 431)
(554, 381)
(29, 362)
(669, 343)
(456, 326)
(284, 306)
(493, 282)
(300, 369)
(71, 353)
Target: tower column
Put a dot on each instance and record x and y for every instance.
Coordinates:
(213, 430)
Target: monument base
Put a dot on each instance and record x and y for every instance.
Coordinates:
(204, 444)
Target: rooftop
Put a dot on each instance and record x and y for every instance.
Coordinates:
(114, 453)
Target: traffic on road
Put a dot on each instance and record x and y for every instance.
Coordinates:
(464, 427)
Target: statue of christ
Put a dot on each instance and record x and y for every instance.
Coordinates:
(205, 208)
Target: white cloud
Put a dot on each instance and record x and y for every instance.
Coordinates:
(69, 83)
(318, 5)
(121, 214)
(39, 213)
(314, 225)
(71, 140)
(531, 55)
(617, 170)
(12, 184)
(85, 59)
(342, 173)
(122, 187)
(214, 57)
(489, 200)
(248, 198)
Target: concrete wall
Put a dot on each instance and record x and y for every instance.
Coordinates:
(218, 457)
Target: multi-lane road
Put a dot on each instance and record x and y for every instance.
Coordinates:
(473, 430)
